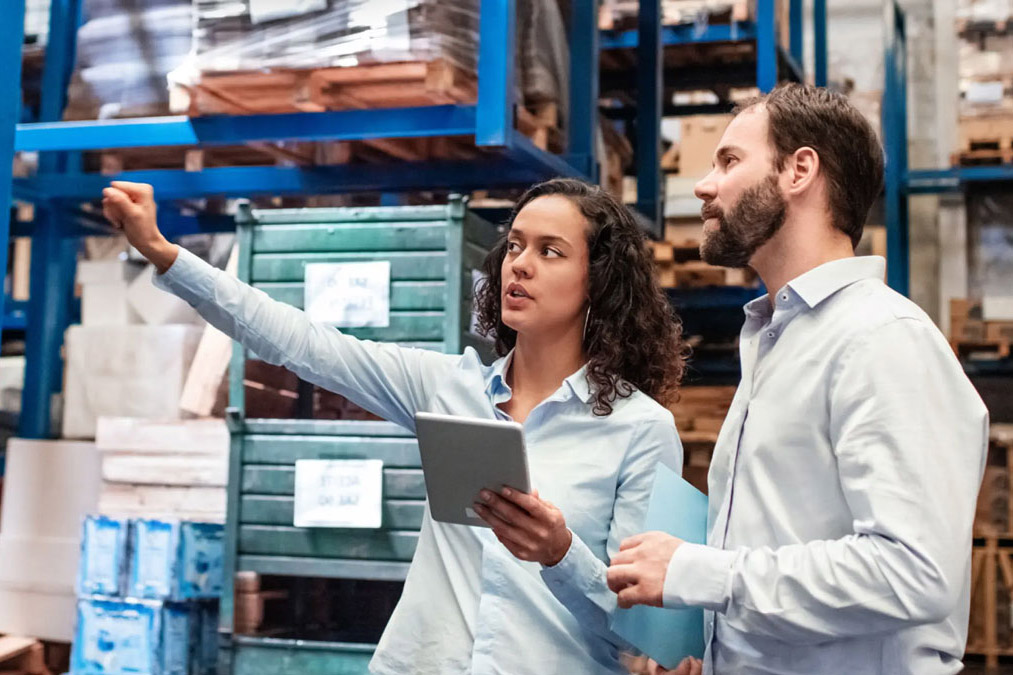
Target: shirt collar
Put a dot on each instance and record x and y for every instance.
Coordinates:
(496, 379)
(821, 282)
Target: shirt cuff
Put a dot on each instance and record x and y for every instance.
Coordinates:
(189, 277)
(579, 567)
(699, 576)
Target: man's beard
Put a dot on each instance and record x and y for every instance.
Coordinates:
(751, 223)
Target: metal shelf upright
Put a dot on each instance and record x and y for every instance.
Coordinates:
(60, 185)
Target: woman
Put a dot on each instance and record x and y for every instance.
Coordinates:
(586, 340)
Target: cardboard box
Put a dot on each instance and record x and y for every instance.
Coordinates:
(124, 371)
(999, 331)
(699, 139)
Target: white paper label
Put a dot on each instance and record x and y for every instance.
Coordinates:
(338, 493)
(348, 295)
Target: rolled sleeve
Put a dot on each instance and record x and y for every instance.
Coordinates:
(698, 576)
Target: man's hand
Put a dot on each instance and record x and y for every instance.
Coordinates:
(637, 572)
(131, 207)
(531, 528)
(688, 666)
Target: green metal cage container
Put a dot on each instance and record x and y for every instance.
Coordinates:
(433, 252)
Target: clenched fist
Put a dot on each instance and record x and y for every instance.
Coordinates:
(131, 207)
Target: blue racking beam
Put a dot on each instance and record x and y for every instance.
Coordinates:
(820, 42)
(766, 45)
(54, 257)
(582, 125)
(650, 197)
(12, 18)
(343, 125)
(894, 122)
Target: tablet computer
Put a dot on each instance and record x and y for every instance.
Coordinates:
(463, 455)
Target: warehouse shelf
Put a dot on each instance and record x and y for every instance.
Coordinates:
(900, 181)
(509, 159)
(651, 41)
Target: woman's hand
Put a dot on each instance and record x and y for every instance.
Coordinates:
(531, 528)
(689, 666)
(131, 207)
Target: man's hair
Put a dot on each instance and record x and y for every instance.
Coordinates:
(851, 157)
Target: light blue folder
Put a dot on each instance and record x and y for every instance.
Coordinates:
(669, 635)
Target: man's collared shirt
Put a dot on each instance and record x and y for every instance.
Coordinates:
(842, 489)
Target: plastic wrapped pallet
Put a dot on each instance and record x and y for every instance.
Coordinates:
(125, 371)
(132, 636)
(124, 53)
(176, 560)
(289, 39)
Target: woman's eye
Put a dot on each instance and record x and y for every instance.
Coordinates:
(513, 247)
(551, 253)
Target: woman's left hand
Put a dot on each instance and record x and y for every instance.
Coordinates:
(531, 528)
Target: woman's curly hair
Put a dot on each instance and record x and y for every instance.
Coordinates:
(634, 338)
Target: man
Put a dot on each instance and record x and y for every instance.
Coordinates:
(843, 483)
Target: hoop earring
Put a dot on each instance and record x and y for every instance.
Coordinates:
(587, 317)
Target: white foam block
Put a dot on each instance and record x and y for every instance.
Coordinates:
(997, 308)
(124, 371)
(156, 501)
(106, 305)
(107, 271)
(165, 469)
(49, 486)
(204, 436)
(155, 306)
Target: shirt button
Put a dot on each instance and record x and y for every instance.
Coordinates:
(771, 334)
(784, 296)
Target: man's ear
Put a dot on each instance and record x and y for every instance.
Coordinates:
(803, 166)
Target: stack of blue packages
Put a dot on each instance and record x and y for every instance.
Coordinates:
(115, 637)
(174, 560)
(104, 555)
(148, 597)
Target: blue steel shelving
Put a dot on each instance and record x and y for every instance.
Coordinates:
(900, 181)
(60, 186)
(650, 40)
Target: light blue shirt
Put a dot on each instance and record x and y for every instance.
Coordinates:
(468, 605)
(842, 489)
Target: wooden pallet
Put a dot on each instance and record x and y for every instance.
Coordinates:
(985, 141)
(22, 656)
(998, 349)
